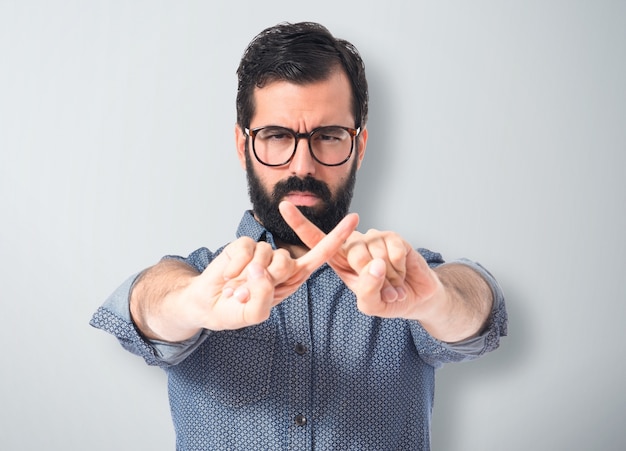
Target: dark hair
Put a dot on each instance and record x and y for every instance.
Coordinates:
(300, 53)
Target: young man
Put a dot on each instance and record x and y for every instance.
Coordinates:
(304, 333)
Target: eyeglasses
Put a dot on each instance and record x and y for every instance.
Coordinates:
(276, 146)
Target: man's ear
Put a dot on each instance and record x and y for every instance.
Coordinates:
(240, 142)
(362, 144)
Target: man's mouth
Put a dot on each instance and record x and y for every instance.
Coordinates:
(302, 198)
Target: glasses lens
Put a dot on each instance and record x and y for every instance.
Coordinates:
(274, 145)
(331, 145)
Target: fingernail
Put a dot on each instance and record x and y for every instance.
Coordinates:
(389, 294)
(255, 271)
(377, 268)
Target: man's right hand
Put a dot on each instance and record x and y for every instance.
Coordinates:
(172, 302)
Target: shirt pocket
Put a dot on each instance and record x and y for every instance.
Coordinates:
(238, 366)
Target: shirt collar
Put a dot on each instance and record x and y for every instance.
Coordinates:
(252, 228)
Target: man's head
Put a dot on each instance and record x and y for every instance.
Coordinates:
(300, 53)
(300, 78)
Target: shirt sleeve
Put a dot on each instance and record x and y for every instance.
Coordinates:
(114, 317)
(437, 353)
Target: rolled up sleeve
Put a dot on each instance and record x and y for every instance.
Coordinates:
(437, 353)
(113, 317)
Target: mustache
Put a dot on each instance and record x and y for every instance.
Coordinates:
(308, 184)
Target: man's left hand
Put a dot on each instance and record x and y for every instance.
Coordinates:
(389, 277)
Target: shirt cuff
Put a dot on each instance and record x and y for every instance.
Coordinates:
(497, 323)
(114, 317)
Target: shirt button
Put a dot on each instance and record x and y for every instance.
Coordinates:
(300, 349)
(300, 420)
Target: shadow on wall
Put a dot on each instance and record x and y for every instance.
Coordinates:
(375, 168)
(455, 380)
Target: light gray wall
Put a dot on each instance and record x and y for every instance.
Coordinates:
(497, 132)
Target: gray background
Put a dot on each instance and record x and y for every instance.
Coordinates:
(497, 132)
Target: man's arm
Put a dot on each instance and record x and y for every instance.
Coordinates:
(155, 297)
(464, 307)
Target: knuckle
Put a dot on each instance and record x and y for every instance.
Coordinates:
(281, 260)
(358, 259)
(263, 245)
(264, 250)
(244, 241)
(244, 245)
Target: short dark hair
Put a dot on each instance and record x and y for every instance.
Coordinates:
(300, 53)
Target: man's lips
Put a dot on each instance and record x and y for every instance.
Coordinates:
(302, 199)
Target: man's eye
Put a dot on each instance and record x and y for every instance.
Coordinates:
(275, 135)
(330, 135)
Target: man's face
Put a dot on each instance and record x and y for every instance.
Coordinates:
(323, 193)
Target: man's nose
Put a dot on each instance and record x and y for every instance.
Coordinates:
(302, 163)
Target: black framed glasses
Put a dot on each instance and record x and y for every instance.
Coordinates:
(275, 146)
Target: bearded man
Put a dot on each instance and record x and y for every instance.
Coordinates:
(304, 333)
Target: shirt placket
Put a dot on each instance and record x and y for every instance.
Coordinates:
(299, 377)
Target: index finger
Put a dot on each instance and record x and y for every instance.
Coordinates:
(305, 229)
(322, 246)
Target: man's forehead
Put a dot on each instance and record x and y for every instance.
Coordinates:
(330, 96)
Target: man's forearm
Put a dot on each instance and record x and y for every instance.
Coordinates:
(466, 306)
(153, 301)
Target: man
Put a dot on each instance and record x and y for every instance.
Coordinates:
(304, 333)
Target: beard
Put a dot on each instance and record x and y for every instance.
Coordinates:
(326, 216)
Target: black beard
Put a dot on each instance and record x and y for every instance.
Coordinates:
(325, 216)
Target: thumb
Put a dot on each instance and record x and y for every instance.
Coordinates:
(376, 269)
(370, 285)
(374, 285)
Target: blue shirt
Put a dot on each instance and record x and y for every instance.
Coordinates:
(317, 375)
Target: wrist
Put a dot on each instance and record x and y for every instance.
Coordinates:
(161, 303)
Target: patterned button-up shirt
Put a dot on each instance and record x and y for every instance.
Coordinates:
(317, 375)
